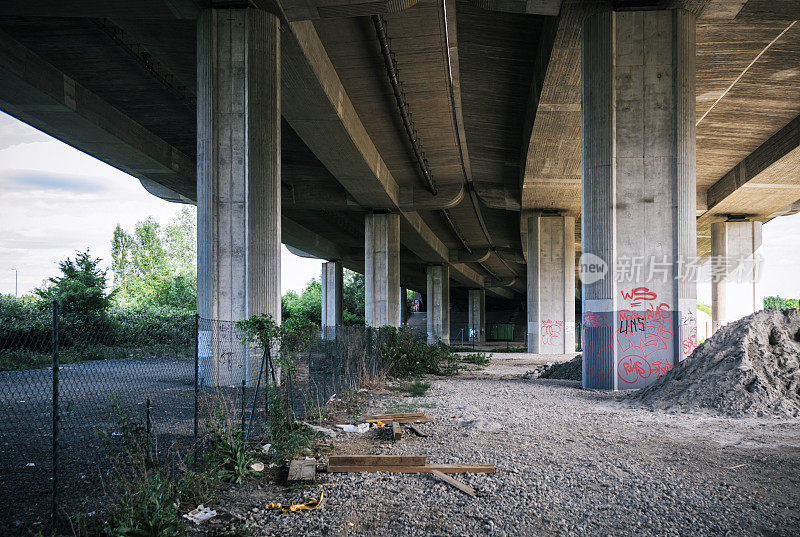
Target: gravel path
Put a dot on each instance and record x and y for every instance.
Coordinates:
(569, 462)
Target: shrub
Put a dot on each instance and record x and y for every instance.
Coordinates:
(406, 357)
(477, 358)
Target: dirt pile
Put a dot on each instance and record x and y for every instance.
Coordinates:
(572, 370)
(747, 368)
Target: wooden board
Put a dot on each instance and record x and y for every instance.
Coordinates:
(411, 469)
(384, 417)
(397, 432)
(376, 460)
(302, 470)
(457, 484)
(389, 421)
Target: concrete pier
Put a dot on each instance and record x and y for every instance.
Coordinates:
(382, 270)
(734, 271)
(438, 306)
(238, 178)
(551, 284)
(638, 195)
(476, 303)
(332, 284)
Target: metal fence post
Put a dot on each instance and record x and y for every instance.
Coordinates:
(147, 429)
(55, 416)
(244, 387)
(196, 381)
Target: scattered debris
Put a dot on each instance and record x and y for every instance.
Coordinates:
(750, 367)
(265, 448)
(323, 430)
(302, 470)
(200, 514)
(257, 466)
(310, 505)
(454, 482)
(397, 432)
(734, 467)
(350, 428)
(403, 464)
(30, 464)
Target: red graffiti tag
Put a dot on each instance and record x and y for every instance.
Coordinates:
(551, 331)
(644, 336)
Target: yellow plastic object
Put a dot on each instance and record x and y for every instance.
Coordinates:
(380, 424)
(310, 505)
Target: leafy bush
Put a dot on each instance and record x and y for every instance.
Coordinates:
(778, 303)
(405, 356)
(477, 358)
(26, 334)
(81, 288)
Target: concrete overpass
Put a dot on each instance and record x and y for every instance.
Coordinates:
(481, 145)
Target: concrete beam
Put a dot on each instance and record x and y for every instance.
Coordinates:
(531, 7)
(319, 110)
(294, 10)
(778, 146)
(35, 92)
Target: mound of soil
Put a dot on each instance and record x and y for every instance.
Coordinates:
(750, 367)
(572, 370)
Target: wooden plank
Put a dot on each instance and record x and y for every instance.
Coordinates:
(454, 482)
(421, 469)
(302, 470)
(397, 432)
(376, 460)
(388, 421)
(416, 431)
(383, 417)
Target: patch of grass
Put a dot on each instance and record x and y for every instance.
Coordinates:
(416, 388)
(509, 348)
(397, 407)
(477, 358)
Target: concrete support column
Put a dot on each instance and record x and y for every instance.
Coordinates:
(477, 315)
(238, 180)
(382, 270)
(438, 307)
(551, 284)
(638, 195)
(332, 283)
(734, 269)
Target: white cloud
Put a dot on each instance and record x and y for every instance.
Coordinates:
(56, 200)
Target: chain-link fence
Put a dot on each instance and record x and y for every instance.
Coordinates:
(70, 383)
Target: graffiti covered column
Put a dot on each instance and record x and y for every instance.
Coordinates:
(238, 183)
(734, 269)
(332, 285)
(477, 315)
(551, 284)
(638, 195)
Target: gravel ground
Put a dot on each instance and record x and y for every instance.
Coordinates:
(569, 462)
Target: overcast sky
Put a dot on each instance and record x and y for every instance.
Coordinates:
(55, 200)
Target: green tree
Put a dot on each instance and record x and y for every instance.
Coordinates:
(353, 298)
(81, 288)
(156, 266)
(778, 303)
(304, 309)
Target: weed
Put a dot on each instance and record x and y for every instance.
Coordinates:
(416, 388)
(477, 358)
(288, 437)
(408, 357)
